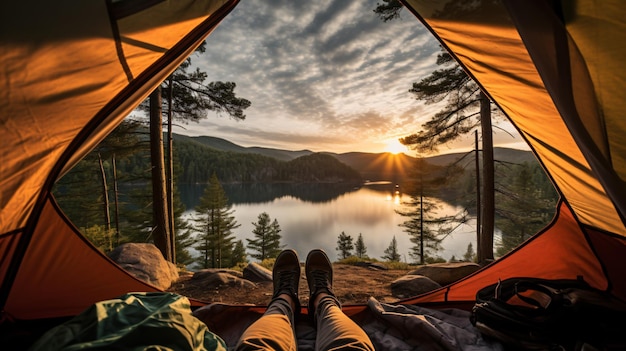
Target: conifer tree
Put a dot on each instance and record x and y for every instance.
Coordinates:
(189, 98)
(360, 248)
(526, 204)
(238, 254)
(425, 227)
(391, 252)
(266, 243)
(215, 226)
(344, 245)
(466, 108)
(470, 255)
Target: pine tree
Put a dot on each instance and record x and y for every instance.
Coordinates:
(183, 232)
(360, 248)
(425, 227)
(470, 255)
(344, 245)
(267, 238)
(215, 225)
(466, 109)
(526, 204)
(238, 254)
(391, 252)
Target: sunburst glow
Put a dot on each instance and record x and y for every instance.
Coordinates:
(395, 147)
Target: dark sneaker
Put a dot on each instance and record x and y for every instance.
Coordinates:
(286, 276)
(319, 275)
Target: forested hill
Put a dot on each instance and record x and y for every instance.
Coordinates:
(197, 162)
(225, 145)
(370, 166)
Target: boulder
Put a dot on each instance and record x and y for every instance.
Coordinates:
(145, 262)
(372, 265)
(214, 279)
(256, 273)
(412, 285)
(446, 273)
(202, 274)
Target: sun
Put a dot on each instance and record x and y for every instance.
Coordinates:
(395, 147)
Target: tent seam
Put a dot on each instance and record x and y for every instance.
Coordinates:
(118, 41)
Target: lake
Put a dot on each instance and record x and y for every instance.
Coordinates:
(313, 215)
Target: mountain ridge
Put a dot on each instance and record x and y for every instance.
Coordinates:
(367, 163)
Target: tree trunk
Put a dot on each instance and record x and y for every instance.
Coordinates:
(421, 213)
(117, 202)
(160, 232)
(105, 200)
(479, 256)
(488, 193)
(170, 171)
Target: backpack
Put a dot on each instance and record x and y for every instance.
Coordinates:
(541, 314)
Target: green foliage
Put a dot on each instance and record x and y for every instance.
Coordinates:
(238, 256)
(344, 245)
(398, 265)
(198, 162)
(388, 10)
(436, 259)
(100, 237)
(425, 226)
(527, 203)
(470, 254)
(353, 260)
(459, 116)
(215, 224)
(391, 252)
(184, 232)
(268, 263)
(360, 248)
(266, 242)
(240, 266)
(318, 167)
(193, 97)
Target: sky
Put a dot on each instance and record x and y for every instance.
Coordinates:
(322, 75)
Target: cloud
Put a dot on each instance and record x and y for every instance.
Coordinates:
(321, 75)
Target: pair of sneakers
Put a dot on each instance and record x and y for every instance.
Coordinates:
(319, 275)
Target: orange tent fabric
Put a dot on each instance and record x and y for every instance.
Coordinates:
(71, 71)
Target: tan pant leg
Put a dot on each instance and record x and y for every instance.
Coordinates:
(273, 331)
(336, 331)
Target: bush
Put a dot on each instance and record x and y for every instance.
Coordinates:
(240, 266)
(268, 263)
(354, 260)
(398, 265)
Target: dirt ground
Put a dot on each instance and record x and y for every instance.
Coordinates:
(352, 285)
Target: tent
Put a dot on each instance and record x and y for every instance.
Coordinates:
(72, 70)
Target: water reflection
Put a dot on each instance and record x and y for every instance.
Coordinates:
(313, 215)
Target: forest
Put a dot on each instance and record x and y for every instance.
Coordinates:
(118, 170)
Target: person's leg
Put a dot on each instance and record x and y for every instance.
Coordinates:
(275, 330)
(335, 330)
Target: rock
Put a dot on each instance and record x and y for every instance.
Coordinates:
(372, 265)
(256, 273)
(214, 279)
(412, 285)
(202, 274)
(145, 262)
(446, 273)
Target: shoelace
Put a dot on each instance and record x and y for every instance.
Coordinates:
(285, 282)
(321, 280)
